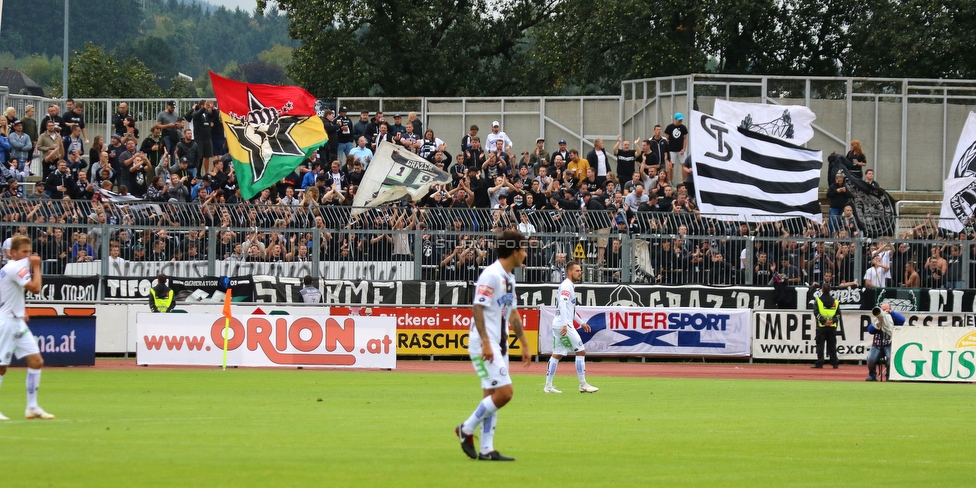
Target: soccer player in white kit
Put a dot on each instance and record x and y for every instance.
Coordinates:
(494, 310)
(22, 272)
(565, 339)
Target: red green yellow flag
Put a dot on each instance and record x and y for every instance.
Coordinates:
(270, 130)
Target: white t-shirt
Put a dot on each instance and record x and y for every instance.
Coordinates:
(565, 306)
(876, 275)
(601, 163)
(496, 292)
(492, 137)
(13, 277)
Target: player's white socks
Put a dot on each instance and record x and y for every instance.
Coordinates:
(485, 408)
(488, 433)
(1, 380)
(551, 370)
(581, 369)
(33, 382)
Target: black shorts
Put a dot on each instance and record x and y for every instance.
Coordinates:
(206, 148)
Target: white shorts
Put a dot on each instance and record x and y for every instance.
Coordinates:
(15, 339)
(493, 374)
(563, 345)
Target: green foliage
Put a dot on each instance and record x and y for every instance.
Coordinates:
(93, 73)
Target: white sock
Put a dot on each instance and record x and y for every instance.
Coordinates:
(33, 383)
(551, 370)
(485, 408)
(581, 369)
(488, 433)
(1, 379)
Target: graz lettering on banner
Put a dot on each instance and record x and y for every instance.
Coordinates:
(267, 340)
(933, 354)
(656, 331)
(757, 298)
(791, 335)
(441, 331)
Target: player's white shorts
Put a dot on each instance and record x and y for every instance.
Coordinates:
(563, 345)
(493, 374)
(15, 338)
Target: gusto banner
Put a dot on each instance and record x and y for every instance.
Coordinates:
(428, 331)
(656, 331)
(266, 340)
(933, 354)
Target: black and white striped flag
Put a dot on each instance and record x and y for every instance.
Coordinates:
(759, 177)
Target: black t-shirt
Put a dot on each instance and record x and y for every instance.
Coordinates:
(676, 135)
(625, 163)
(345, 129)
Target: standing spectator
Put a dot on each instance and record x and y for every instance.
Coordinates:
(51, 147)
(934, 271)
(153, 146)
(497, 134)
(361, 127)
(826, 309)
(626, 158)
(53, 115)
(346, 138)
(329, 151)
(73, 118)
(60, 183)
(188, 148)
(74, 141)
(869, 179)
(21, 146)
(597, 159)
(677, 135)
(170, 124)
(858, 161)
(30, 128)
(412, 119)
(361, 153)
(839, 198)
(118, 119)
(201, 116)
(397, 127)
(466, 140)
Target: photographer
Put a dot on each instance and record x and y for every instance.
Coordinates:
(882, 325)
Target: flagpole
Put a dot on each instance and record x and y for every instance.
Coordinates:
(227, 300)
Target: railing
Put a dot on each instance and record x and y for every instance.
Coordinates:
(409, 243)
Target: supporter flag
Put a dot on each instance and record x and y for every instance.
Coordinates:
(791, 123)
(269, 129)
(737, 171)
(394, 173)
(959, 191)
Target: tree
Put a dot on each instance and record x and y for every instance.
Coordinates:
(260, 72)
(617, 40)
(412, 47)
(92, 73)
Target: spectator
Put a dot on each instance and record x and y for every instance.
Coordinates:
(170, 124)
(188, 148)
(361, 153)
(73, 119)
(869, 179)
(857, 159)
(20, 145)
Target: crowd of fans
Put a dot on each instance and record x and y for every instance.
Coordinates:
(182, 177)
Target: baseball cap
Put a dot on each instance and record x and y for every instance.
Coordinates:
(18, 121)
(171, 103)
(540, 139)
(342, 108)
(397, 116)
(495, 123)
(840, 174)
(184, 159)
(137, 247)
(620, 219)
(562, 141)
(678, 116)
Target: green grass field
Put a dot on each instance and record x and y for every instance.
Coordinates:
(267, 428)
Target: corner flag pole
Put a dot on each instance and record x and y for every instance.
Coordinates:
(227, 300)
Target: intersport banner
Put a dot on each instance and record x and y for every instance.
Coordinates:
(933, 354)
(267, 340)
(616, 331)
(791, 335)
(427, 331)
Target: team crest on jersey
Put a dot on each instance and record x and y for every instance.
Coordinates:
(23, 272)
(565, 293)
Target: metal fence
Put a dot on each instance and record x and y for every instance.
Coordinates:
(410, 243)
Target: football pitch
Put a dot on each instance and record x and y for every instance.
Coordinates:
(256, 427)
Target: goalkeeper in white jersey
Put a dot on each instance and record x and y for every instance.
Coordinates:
(565, 339)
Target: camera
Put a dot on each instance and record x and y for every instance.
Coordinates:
(876, 311)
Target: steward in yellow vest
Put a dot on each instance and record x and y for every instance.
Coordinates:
(161, 297)
(827, 318)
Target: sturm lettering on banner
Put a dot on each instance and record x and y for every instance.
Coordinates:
(65, 292)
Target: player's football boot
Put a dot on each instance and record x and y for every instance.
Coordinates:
(467, 442)
(3, 417)
(37, 413)
(550, 389)
(494, 456)
(588, 388)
